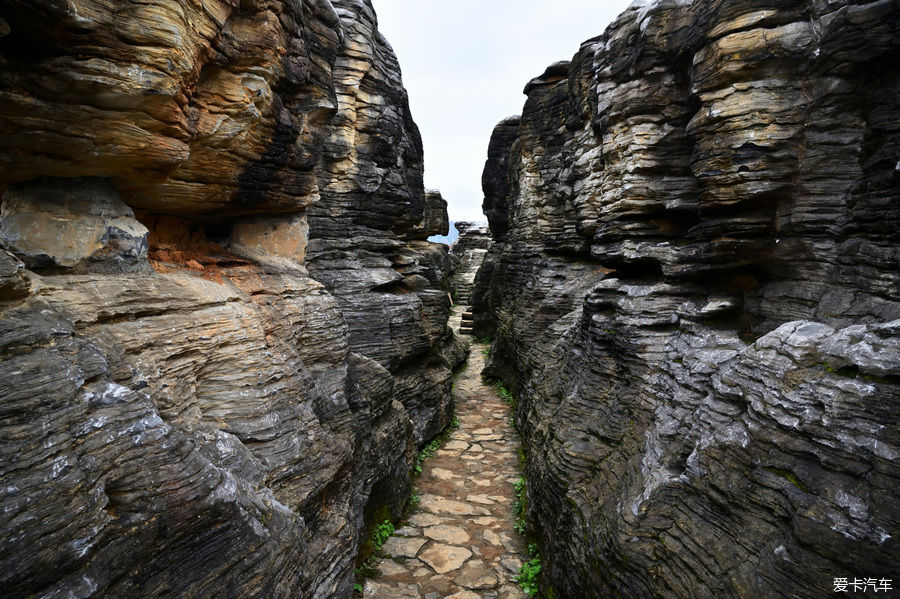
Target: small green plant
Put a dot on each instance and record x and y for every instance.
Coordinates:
(365, 570)
(533, 549)
(357, 588)
(505, 394)
(528, 575)
(485, 340)
(427, 452)
(519, 505)
(382, 533)
(521, 526)
(414, 499)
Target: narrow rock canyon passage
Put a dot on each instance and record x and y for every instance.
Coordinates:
(224, 333)
(460, 541)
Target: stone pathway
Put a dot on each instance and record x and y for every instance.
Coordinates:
(460, 542)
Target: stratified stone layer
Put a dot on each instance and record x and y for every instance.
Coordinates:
(694, 291)
(222, 334)
(469, 250)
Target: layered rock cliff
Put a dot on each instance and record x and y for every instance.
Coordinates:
(222, 332)
(694, 292)
(470, 249)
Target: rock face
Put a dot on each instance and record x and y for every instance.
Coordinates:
(222, 334)
(470, 249)
(694, 291)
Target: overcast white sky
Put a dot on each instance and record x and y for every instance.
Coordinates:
(465, 63)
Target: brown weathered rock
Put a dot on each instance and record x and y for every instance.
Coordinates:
(694, 293)
(445, 558)
(403, 547)
(476, 576)
(231, 336)
(447, 534)
(71, 224)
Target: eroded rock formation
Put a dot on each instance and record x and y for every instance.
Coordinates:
(470, 249)
(694, 291)
(222, 332)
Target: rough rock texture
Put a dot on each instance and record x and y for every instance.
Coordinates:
(694, 291)
(222, 334)
(436, 221)
(470, 249)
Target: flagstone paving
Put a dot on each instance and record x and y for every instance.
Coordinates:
(460, 542)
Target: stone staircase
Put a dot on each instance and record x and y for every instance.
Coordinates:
(467, 324)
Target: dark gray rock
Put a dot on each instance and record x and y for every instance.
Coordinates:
(14, 280)
(436, 221)
(693, 291)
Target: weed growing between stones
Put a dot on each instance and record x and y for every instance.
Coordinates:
(427, 452)
(530, 570)
(382, 533)
(435, 444)
(505, 394)
(363, 571)
(519, 506)
(367, 568)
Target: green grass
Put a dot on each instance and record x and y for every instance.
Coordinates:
(528, 575)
